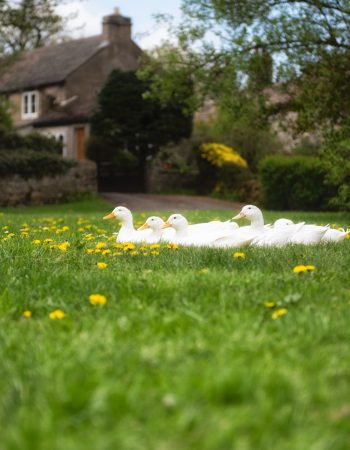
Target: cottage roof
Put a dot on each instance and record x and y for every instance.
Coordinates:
(49, 65)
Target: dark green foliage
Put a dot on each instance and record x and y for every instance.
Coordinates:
(128, 120)
(12, 141)
(336, 157)
(30, 163)
(33, 155)
(128, 128)
(226, 181)
(5, 116)
(294, 182)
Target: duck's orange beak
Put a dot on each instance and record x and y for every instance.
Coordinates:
(166, 225)
(239, 216)
(145, 226)
(109, 216)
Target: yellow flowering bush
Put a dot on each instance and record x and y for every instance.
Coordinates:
(220, 155)
(222, 170)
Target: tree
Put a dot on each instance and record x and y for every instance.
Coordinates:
(130, 126)
(308, 40)
(28, 24)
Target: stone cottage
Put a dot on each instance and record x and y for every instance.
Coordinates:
(53, 89)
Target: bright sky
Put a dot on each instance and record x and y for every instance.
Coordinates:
(145, 31)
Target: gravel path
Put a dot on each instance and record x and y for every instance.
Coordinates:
(152, 202)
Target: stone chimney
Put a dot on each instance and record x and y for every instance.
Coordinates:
(116, 28)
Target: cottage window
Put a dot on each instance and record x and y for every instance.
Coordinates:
(30, 105)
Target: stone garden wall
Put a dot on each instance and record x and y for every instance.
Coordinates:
(80, 179)
(159, 181)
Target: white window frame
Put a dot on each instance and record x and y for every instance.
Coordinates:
(27, 98)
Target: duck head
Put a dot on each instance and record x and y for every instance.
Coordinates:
(153, 222)
(251, 213)
(177, 221)
(121, 213)
(283, 223)
(248, 212)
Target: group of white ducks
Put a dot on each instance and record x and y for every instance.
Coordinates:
(177, 230)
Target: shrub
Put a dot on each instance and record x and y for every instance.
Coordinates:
(180, 158)
(220, 155)
(29, 164)
(12, 141)
(294, 182)
(105, 153)
(336, 157)
(222, 171)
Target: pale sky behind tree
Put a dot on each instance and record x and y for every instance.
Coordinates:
(145, 30)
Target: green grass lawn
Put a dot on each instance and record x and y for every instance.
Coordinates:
(179, 357)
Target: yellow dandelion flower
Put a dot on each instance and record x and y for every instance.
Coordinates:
(102, 265)
(89, 251)
(302, 268)
(120, 246)
(269, 304)
(172, 246)
(239, 255)
(279, 313)
(64, 246)
(48, 241)
(57, 314)
(204, 270)
(154, 253)
(97, 299)
(154, 246)
(134, 253)
(27, 314)
(100, 245)
(36, 241)
(129, 246)
(106, 252)
(117, 253)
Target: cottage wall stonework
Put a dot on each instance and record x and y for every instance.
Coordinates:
(80, 179)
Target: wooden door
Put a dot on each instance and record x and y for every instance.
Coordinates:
(80, 142)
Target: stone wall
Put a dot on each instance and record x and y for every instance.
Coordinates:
(80, 179)
(159, 181)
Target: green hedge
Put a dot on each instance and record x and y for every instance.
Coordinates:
(32, 164)
(12, 141)
(294, 182)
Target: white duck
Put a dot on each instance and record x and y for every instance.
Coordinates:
(279, 235)
(331, 235)
(201, 234)
(309, 235)
(334, 235)
(127, 232)
(155, 224)
(243, 235)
